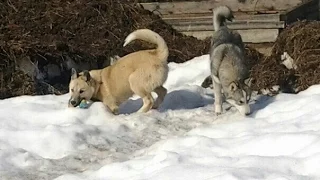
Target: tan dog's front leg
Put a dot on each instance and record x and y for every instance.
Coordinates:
(147, 104)
(111, 105)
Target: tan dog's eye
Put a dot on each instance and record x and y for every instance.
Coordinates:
(81, 91)
(72, 90)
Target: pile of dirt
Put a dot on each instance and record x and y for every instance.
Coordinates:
(53, 35)
(40, 41)
(301, 41)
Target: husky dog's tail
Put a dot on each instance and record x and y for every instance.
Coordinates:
(220, 15)
(151, 37)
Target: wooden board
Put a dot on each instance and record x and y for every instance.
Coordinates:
(208, 16)
(207, 6)
(239, 25)
(248, 36)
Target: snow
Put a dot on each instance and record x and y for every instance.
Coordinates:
(40, 138)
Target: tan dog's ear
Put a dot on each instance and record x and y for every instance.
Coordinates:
(74, 74)
(86, 75)
(233, 87)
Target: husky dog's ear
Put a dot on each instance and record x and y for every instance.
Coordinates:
(233, 87)
(74, 74)
(248, 81)
(86, 75)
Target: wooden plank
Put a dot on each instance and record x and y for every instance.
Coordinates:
(266, 24)
(205, 16)
(259, 35)
(207, 6)
(268, 17)
(188, 18)
(234, 25)
(186, 15)
(248, 36)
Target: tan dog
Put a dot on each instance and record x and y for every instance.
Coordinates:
(139, 73)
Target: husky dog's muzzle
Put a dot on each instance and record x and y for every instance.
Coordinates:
(244, 109)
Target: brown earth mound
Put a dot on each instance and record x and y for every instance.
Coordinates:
(49, 34)
(52, 32)
(301, 41)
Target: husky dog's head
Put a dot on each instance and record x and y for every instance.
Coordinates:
(80, 87)
(239, 94)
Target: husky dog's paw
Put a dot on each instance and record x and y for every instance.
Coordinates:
(218, 109)
(244, 110)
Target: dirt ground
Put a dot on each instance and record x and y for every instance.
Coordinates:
(301, 40)
(44, 34)
(41, 40)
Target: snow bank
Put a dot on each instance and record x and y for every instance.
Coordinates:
(40, 138)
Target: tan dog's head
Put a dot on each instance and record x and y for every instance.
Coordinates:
(80, 87)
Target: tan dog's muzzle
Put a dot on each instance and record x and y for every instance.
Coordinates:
(74, 102)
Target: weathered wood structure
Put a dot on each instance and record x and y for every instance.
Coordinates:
(258, 21)
(308, 9)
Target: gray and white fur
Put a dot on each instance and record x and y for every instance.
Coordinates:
(229, 72)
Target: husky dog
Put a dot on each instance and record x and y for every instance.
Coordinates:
(229, 72)
(139, 73)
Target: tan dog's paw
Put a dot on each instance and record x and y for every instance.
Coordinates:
(115, 111)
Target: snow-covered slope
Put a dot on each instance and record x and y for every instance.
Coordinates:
(40, 138)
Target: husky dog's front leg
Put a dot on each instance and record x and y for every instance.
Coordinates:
(217, 87)
(217, 97)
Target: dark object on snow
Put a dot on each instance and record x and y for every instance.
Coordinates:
(207, 82)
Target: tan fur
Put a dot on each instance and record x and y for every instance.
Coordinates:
(137, 73)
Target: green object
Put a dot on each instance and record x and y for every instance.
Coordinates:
(83, 104)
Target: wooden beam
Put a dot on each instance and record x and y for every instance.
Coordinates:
(267, 24)
(248, 36)
(200, 26)
(207, 6)
(207, 16)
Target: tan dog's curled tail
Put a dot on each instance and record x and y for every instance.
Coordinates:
(151, 37)
(220, 15)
